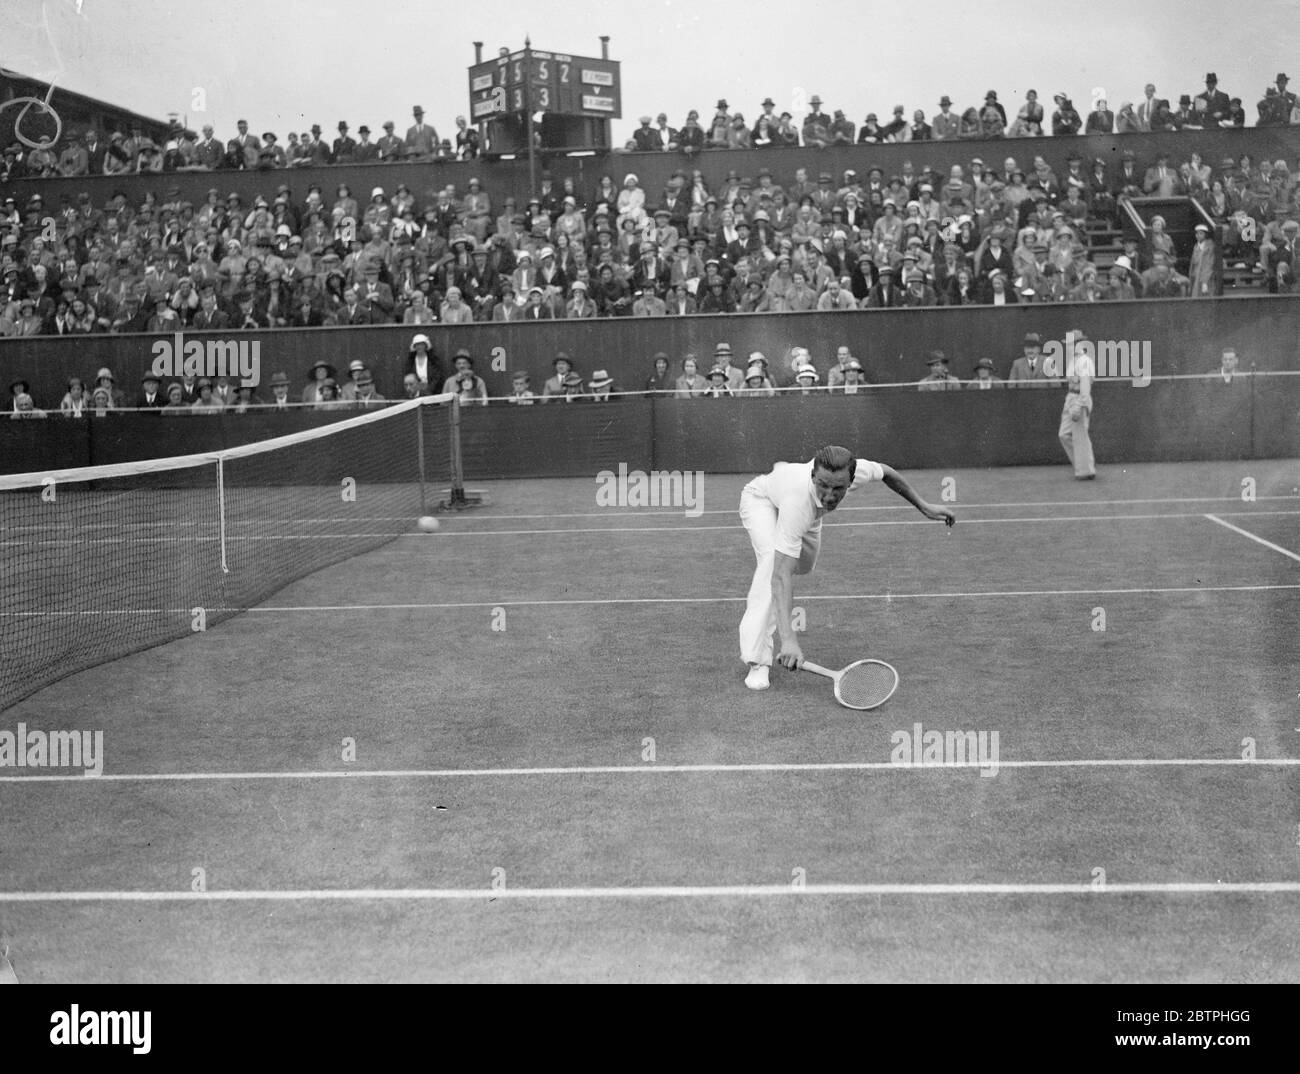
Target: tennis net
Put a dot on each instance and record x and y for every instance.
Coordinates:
(103, 561)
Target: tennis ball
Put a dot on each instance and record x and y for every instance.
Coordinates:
(428, 523)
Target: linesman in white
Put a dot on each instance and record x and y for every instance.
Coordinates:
(783, 511)
(1076, 415)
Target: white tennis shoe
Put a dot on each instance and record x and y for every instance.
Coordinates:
(757, 679)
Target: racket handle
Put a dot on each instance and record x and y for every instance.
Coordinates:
(817, 669)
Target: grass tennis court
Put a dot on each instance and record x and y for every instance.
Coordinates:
(525, 749)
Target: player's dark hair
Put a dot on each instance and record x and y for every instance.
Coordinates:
(835, 458)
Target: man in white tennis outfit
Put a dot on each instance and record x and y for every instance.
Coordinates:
(783, 511)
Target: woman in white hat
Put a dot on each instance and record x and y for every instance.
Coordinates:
(757, 386)
(422, 362)
(631, 201)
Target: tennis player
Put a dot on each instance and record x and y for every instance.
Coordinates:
(783, 513)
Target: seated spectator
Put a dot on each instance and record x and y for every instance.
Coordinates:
(611, 294)
(279, 392)
(647, 304)
(1158, 240)
(316, 376)
(572, 388)
(468, 388)
(1065, 120)
(806, 377)
(329, 396)
(1161, 281)
(101, 402)
(690, 384)
(1089, 288)
(1162, 119)
(418, 312)
(1227, 371)
(717, 383)
(455, 311)
(843, 356)
(838, 295)
(715, 298)
(463, 379)
(757, 386)
(1119, 287)
(521, 394)
(885, 294)
(993, 120)
(1127, 121)
(600, 387)
(536, 307)
(149, 397)
(661, 383)
(1184, 117)
(580, 306)
(208, 403)
(1101, 120)
(74, 401)
(984, 376)
(176, 405)
(563, 366)
(691, 137)
(938, 379)
(24, 407)
(104, 379)
(246, 400)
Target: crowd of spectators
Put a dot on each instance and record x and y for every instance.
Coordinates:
(1210, 109)
(994, 232)
(89, 153)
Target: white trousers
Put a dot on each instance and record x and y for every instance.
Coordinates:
(758, 625)
(1075, 438)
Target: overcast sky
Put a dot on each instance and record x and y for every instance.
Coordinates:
(284, 64)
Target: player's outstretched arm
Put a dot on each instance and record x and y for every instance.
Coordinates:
(790, 654)
(896, 481)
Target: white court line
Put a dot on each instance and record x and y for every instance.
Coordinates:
(684, 891)
(444, 534)
(634, 512)
(1253, 537)
(581, 601)
(655, 770)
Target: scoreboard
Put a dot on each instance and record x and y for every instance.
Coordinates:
(538, 81)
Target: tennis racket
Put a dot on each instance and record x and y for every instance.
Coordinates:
(864, 684)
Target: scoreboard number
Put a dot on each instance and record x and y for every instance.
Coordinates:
(564, 73)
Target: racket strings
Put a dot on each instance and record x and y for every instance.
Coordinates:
(866, 684)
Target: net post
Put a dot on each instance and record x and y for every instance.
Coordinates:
(221, 510)
(457, 472)
(419, 439)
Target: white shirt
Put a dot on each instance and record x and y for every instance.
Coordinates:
(1081, 370)
(789, 488)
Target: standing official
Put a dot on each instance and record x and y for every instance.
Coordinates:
(1076, 415)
